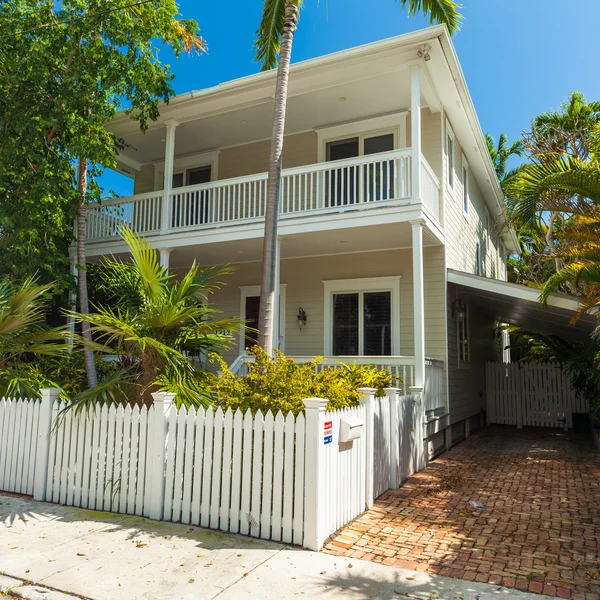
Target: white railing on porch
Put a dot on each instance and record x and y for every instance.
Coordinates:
(430, 189)
(433, 398)
(356, 183)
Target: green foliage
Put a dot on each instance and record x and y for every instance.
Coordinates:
(281, 384)
(66, 68)
(154, 323)
(581, 360)
(24, 336)
(268, 35)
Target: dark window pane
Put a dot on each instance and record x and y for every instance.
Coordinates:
(380, 143)
(345, 325)
(342, 149)
(177, 180)
(378, 324)
(341, 186)
(197, 176)
(252, 308)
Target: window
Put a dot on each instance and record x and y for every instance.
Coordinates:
(464, 342)
(362, 317)
(450, 154)
(343, 183)
(478, 261)
(466, 185)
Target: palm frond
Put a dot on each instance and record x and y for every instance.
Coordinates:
(438, 11)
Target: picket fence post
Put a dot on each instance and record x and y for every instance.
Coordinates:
(392, 394)
(419, 427)
(49, 396)
(315, 502)
(157, 444)
(367, 398)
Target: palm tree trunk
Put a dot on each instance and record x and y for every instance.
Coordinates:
(267, 291)
(84, 307)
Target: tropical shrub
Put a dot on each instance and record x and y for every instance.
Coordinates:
(280, 383)
(153, 323)
(581, 360)
(24, 337)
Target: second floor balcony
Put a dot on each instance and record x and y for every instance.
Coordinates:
(365, 183)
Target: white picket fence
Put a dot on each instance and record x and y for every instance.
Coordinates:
(18, 441)
(276, 477)
(525, 394)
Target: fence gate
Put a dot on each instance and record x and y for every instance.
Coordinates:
(531, 395)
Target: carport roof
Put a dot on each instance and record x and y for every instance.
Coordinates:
(518, 305)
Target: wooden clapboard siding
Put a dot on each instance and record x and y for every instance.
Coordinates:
(464, 231)
(304, 288)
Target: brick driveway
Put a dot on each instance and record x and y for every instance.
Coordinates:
(539, 530)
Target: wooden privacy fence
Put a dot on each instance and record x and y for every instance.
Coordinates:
(276, 477)
(524, 394)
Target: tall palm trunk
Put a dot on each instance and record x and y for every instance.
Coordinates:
(268, 302)
(84, 306)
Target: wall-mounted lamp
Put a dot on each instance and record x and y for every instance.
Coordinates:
(423, 52)
(459, 309)
(301, 318)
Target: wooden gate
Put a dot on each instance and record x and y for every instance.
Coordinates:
(531, 395)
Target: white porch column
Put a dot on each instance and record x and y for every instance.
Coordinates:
(168, 185)
(165, 255)
(276, 308)
(419, 298)
(415, 131)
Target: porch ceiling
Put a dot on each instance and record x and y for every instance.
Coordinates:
(342, 241)
(518, 305)
(365, 97)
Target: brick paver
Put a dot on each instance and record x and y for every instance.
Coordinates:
(539, 529)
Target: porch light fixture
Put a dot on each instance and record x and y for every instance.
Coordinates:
(423, 52)
(301, 318)
(459, 309)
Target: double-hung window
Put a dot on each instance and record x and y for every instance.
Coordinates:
(450, 155)
(362, 317)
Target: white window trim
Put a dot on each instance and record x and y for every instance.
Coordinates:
(395, 123)
(367, 284)
(466, 186)
(450, 134)
(185, 163)
(254, 290)
(464, 364)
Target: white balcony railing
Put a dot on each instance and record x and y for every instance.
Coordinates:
(430, 189)
(356, 183)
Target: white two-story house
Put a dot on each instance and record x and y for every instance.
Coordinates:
(388, 214)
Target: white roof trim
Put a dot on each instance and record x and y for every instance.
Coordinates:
(512, 290)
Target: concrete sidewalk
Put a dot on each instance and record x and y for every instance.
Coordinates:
(104, 556)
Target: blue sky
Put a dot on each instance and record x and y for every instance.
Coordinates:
(520, 57)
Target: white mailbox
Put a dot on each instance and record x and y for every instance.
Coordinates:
(350, 429)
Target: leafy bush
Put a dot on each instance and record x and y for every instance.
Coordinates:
(282, 384)
(580, 360)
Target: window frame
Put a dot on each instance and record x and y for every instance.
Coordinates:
(464, 361)
(366, 128)
(363, 285)
(450, 157)
(478, 259)
(185, 164)
(254, 290)
(466, 183)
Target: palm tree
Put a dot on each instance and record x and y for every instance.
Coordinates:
(24, 335)
(500, 154)
(569, 186)
(274, 49)
(153, 323)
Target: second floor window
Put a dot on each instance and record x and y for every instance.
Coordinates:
(466, 185)
(450, 152)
